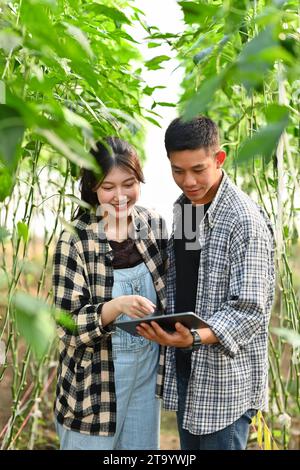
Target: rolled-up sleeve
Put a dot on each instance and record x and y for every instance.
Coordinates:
(247, 306)
(71, 293)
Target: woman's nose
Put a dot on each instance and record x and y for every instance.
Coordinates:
(119, 193)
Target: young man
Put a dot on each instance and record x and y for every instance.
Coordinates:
(223, 270)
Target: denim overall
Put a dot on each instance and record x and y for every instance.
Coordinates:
(135, 362)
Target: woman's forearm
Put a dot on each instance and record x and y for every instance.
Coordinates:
(110, 311)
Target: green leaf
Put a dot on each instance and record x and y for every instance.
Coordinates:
(76, 120)
(153, 121)
(198, 12)
(234, 14)
(265, 140)
(34, 322)
(291, 336)
(202, 54)
(163, 35)
(263, 143)
(164, 103)
(6, 183)
(199, 102)
(151, 45)
(265, 47)
(9, 41)
(131, 122)
(257, 59)
(80, 202)
(109, 12)
(4, 234)
(276, 112)
(264, 40)
(67, 225)
(70, 149)
(11, 134)
(65, 319)
(250, 74)
(119, 33)
(80, 37)
(149, 90)
(5, 279)
(23, 231)
(154, 63)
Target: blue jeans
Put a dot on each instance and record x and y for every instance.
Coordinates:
(233, 437)
(135, 363)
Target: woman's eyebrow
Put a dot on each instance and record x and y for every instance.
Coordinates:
(129, 179)
(125, 181)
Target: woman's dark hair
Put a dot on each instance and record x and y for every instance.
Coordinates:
(113, 152)
(200, 132)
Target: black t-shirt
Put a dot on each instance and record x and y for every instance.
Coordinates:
(126, 254)
(187, 255)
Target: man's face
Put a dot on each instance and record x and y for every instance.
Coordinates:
(197, 173)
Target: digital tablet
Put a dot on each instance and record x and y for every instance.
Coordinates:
(167, 322)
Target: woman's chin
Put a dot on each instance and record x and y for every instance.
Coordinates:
(122, 212)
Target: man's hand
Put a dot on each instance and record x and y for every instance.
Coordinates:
(181, 338)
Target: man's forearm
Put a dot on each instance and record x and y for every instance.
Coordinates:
(207, 336)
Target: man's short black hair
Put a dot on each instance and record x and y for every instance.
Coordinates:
(199, 132)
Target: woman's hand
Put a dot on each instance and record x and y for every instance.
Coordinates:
(135, 306)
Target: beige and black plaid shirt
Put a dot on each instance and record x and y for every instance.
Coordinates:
(82, 282)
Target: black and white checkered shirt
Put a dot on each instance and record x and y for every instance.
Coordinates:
(235, 292)
(82, 282)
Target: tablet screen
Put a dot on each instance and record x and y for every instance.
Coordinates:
(167, 322)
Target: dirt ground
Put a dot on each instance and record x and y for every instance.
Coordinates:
(46, 436)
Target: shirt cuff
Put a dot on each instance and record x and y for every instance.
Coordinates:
(222, 331)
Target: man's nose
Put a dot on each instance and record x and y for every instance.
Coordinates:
(189, 180)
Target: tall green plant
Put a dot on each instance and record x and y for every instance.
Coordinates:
(69, 75)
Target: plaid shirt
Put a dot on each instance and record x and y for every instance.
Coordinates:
(82, 282)
(234, 296)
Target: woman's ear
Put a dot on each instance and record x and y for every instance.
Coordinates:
(220, 157)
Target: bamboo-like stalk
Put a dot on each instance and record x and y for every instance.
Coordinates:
(280, 172)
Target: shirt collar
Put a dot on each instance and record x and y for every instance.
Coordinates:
(139, 224)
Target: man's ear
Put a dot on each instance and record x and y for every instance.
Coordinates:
(220, 157)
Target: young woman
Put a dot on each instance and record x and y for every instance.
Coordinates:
(112, 267)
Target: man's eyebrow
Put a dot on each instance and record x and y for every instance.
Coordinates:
(176, 167)
(200, 165)
(195, 167)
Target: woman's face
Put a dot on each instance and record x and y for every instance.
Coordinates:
(118, 192)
